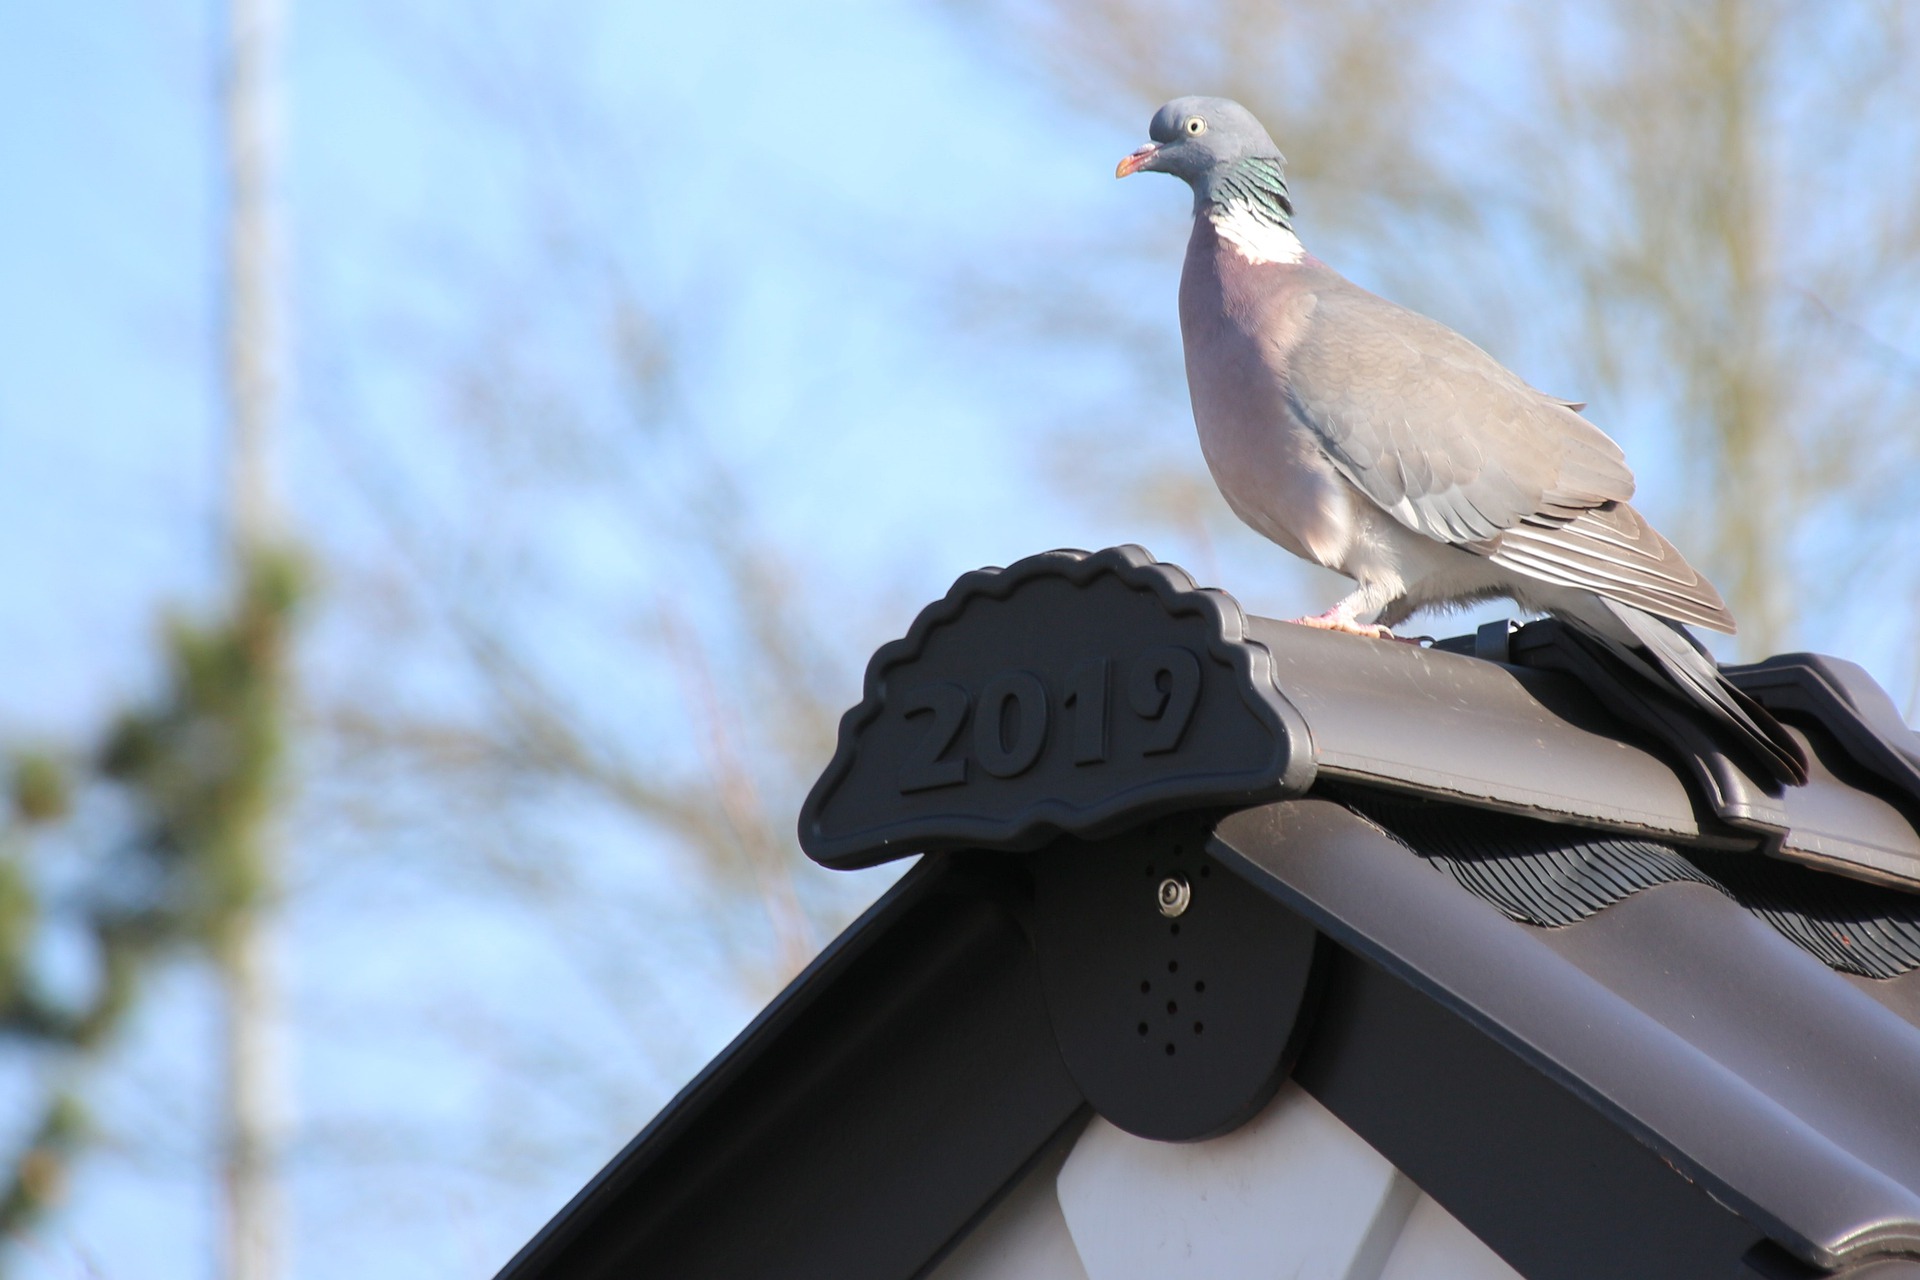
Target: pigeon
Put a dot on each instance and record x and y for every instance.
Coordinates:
(1383, 445)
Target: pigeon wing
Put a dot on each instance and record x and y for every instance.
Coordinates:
(1612, 551)
(1452, 444)
(1438, 432)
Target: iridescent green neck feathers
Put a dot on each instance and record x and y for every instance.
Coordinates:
(1259, 183)
(1249, 207)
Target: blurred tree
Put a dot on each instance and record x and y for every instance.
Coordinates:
(636, 663)
(190, 863)
(1730, 208)
(163, 874)
(40, 796)
(688, 720)
(687, 714)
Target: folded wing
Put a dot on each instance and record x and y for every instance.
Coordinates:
(1454, 445)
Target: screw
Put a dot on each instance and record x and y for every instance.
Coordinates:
(1173, 896)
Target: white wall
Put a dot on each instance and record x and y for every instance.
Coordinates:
(1025, 1236)
(1293, 1195)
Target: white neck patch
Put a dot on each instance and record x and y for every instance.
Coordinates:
(1255, 239)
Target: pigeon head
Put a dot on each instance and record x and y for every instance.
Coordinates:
(1203, 141)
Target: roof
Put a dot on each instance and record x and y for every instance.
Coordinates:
(1591, 989)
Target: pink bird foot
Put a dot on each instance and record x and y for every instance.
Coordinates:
(1334, 620)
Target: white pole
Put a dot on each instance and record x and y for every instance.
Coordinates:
(253, 1104)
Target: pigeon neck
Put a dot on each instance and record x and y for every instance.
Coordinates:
(1249, 207)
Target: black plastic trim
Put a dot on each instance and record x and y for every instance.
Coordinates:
(1175, 1028)
(1740, 795)
(1614, 1063)
(918, 1045)
(1545, 1181)
(1545, 874)
(886, 1101)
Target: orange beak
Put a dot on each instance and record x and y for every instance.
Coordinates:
(1137, 161)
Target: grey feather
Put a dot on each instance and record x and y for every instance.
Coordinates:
(1614, 552)
(1435, 430)
(1664, 653)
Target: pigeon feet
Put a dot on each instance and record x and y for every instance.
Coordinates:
(1334, 620)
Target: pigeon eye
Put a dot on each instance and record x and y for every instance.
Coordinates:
(1195, 125)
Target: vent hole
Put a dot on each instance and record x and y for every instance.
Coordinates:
(1199, 1027)
(1205, 871)
(1149, 871)
(1199, 988)
(1173, 966)
(1172, 1007)
(1145, 987)
(1169, 1048)
(1143, 1028)
(1176, 930)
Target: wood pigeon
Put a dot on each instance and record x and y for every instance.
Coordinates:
(1369, 439)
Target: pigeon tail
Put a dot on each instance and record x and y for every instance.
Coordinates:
(1662, 652)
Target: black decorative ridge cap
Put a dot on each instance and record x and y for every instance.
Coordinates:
(1068, 693)
(1080, 693)
(1446, 726)
(1443, 725)
(1845, 702)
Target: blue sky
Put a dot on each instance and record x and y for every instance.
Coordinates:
(802, 157)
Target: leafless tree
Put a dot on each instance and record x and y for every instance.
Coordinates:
(568, 541)
(1730, 209)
